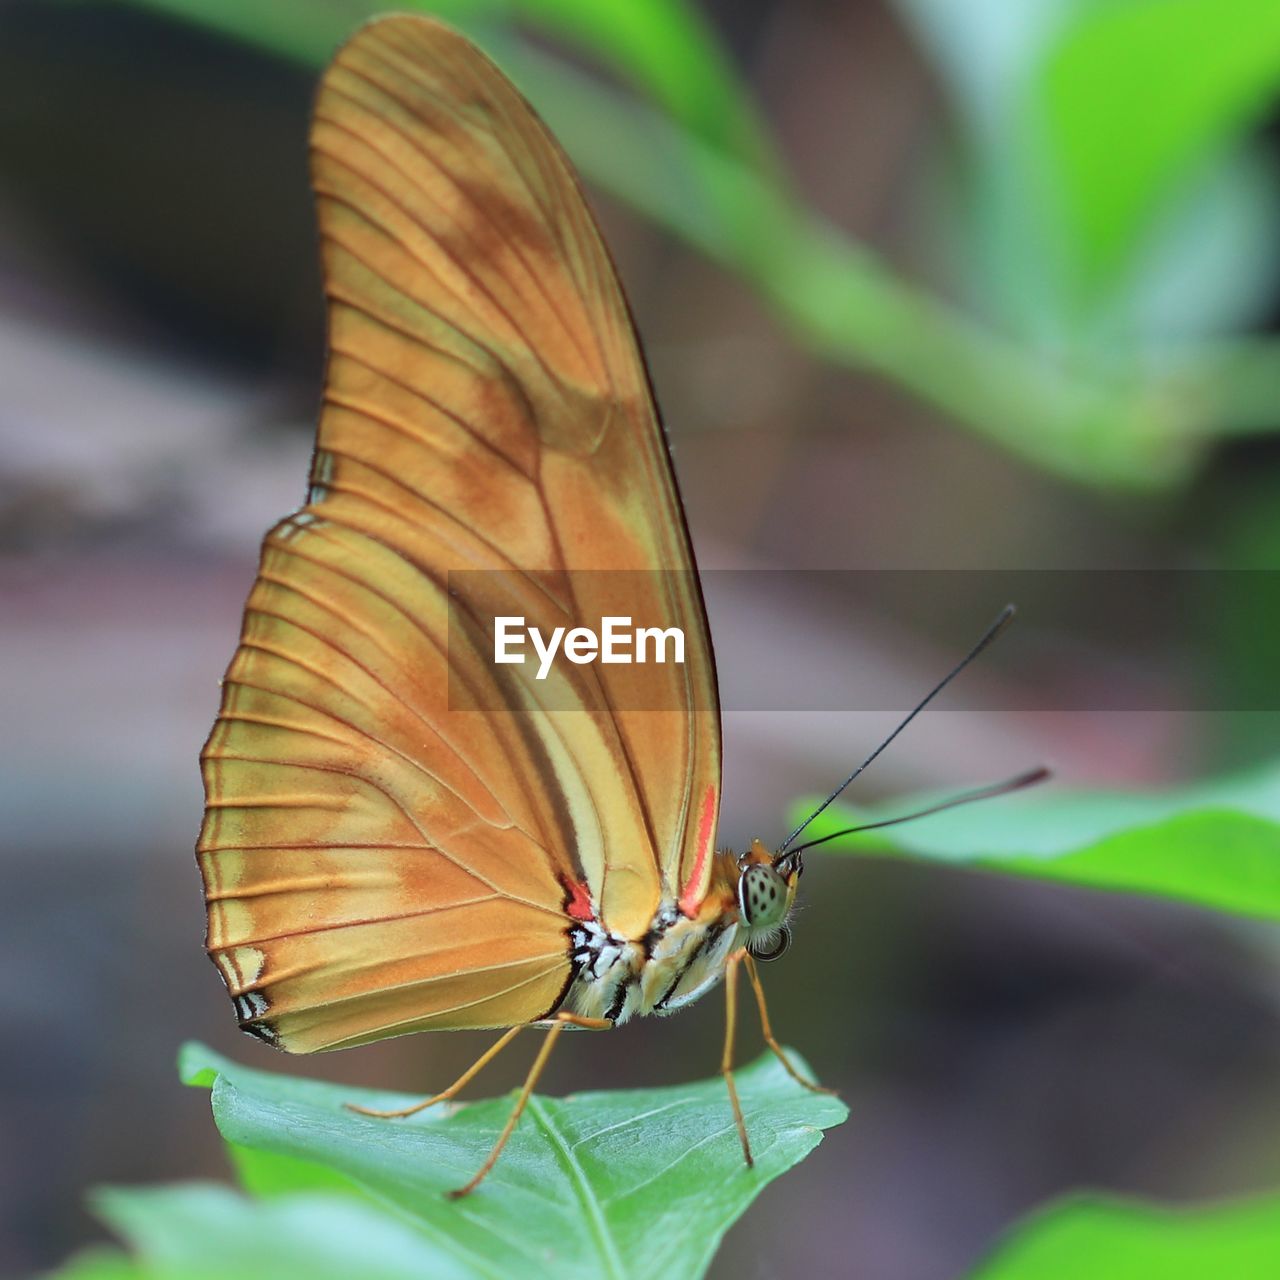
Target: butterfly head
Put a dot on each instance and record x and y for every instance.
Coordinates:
(766, 893)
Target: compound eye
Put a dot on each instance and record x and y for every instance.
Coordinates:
(772, 945)
(762, 896)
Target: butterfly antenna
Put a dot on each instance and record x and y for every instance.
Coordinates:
(989, 792)
(1006, 616)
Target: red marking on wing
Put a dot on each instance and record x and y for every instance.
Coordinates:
(579, 904)
(706, 831)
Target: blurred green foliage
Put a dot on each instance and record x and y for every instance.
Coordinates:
(1110, 203)
(1186, 78)
(1215, 845)
(1107, 210)
(203, 1231)
(1110, 1239)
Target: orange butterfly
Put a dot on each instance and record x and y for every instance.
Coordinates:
(375, 861)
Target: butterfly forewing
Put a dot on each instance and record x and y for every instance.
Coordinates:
(376, 859)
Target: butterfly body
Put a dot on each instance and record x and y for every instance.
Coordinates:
(678, 959)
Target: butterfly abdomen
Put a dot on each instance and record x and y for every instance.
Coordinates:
(677, 960)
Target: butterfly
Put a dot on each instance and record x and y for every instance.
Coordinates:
(377, 859)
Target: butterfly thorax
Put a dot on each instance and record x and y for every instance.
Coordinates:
(682, 956)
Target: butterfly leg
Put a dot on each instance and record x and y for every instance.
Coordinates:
(726, 1058)
(455, 1088)
(753, 974)
(559, 1023)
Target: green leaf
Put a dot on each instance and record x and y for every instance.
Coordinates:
(1112, 1239)
(668, 51)
(1135, 96)
(1216, 845)
(267, 1174)
(201, 1231)
(103, 1264)
(614, 1184)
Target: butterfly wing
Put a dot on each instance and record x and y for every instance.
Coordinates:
(398, 831)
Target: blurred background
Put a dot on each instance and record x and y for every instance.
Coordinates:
(924, 287)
